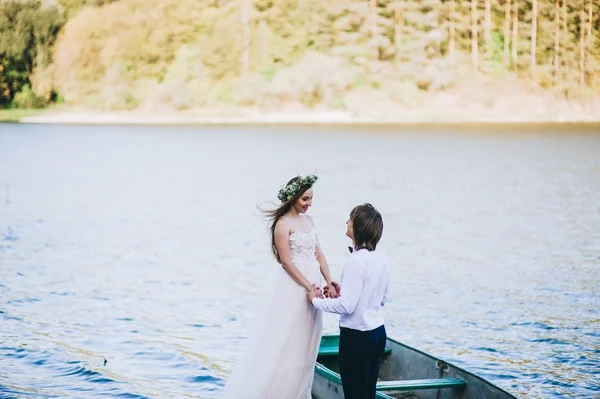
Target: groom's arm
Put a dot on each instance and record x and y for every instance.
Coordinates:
(385, 293)
(352, 285)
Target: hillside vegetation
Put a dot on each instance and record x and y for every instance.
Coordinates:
(367, 57)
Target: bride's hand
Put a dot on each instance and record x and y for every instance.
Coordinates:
(314, 292)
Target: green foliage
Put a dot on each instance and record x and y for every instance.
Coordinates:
(226, 96)
(72, 7)
(14, 115)
(249, 89)
(27, 99)
(493, 62)
(28, 30)
(117, 88)
(13, 77)
(405, 92)
(144, 36)
(180, 54)
(314, 79)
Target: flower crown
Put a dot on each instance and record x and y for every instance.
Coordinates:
(288, 192)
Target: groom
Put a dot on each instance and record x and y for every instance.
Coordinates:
(364, 288)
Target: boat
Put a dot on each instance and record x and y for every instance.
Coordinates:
(405, 372)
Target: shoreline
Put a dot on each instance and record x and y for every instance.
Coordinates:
(291, 118)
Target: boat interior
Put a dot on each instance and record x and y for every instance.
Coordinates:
(395, 377)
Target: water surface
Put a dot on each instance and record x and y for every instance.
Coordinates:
(142, 247)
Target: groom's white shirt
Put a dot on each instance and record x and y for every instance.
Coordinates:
(364, 287)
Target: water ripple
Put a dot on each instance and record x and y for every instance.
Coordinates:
(133, 260)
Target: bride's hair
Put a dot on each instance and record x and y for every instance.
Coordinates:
(275, 214)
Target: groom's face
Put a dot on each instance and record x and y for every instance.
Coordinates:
(349, 229)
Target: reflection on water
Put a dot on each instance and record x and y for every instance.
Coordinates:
(132, 259)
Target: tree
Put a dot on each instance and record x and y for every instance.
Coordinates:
(245, 9)
(557, 42)
(506, 32)
(374, 30)
(532, 59)
(474, 39)
(28, 30)
(487, 26)
(398, 28)
(593, 48)
(515, 35)
(420, 45)
(582, 28)
(452, 31)
(72, 7)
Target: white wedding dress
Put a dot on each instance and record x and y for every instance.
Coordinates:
(280, 356)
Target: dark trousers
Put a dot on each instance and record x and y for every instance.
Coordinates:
(360, 355)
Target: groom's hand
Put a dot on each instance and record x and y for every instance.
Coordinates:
(333, 290)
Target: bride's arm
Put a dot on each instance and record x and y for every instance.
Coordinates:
(332, 286)
(324, 266)
(282, 242)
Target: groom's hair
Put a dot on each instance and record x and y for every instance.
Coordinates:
(367, 224)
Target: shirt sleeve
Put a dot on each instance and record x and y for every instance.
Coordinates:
(352, 286)
(386, 274)
(385, 293)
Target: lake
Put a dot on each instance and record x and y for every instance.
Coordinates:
(134, 258)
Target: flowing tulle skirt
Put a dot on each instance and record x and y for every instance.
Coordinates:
(281, 351)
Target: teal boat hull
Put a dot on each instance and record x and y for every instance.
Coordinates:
(404, 372)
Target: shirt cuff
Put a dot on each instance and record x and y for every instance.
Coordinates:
(316, 302)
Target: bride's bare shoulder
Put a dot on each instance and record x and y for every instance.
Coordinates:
(284, 224)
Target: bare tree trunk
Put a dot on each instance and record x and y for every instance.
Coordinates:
(452, 36)
(487, 33)
(373, 28)
(506, 32)
(557, 43)
(532, 60)
(564, 9)
(398, 28)
(590, 38)
(565, 30)
(474, 40)
(245, 14)
(582, 46)
(515, 34)
(30, 77)
(590, 45)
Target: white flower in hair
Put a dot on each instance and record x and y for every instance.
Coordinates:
(288, 192)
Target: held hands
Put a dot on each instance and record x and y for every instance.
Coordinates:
(332, 290)
(314, 292)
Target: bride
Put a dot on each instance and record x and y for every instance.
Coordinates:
(279, 360)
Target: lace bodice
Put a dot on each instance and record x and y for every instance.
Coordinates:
(303, 245)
